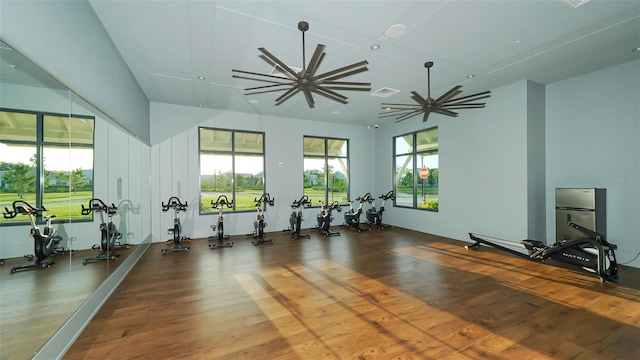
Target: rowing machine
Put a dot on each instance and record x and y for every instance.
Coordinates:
(592, 253)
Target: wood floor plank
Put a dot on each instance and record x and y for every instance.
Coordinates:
(392, 294)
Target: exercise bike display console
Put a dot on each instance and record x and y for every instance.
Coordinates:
(592, 253)
(45, 243)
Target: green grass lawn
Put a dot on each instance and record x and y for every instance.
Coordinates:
(66, 206)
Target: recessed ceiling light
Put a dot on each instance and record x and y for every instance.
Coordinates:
(395, 30)
(335, 112)
(636, 49)
(470, 76)
(375, 47)
(201, 77)
(517, 42)
(253, 101)
(14, 67)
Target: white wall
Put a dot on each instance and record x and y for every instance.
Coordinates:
(174, 161)
(482, 169)
(593, 140)
(67, 39)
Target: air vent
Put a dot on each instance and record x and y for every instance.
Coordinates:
(576, 3)
(279, 71)
(385, 92)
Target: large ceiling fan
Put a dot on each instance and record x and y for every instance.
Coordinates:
(306, 81)
(442, 105)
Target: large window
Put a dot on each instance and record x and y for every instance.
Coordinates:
(231, 164)
(326, 169)
(416, 169)
(46, 160)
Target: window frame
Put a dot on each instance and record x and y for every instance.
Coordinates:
(414, 154)
(40, 172)
(327, 157)
(233, 153)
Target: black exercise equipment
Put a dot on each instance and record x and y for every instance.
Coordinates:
(374, 216)
(177, 206)
(219, 205)
(325, 216)
(109, 234)
(295, 221)
(45, 244)
(592, 253)
(260, 223)
(352, 217)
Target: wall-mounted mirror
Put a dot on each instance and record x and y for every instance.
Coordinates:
(72, 200)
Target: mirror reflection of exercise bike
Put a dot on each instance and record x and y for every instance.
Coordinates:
(374, 216)
(218, 227)
(593, 253)
(177, 206)
(109, 234)
(260, 223)
(352, 217)
(295, 221)
(45, 243)
(325, 216)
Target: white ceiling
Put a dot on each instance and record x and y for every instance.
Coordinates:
(168, 44)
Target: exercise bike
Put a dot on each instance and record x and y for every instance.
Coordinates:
(45, 244)
(260, 223)
(352, 217)
(177, 206)
(592, 253)
(325, 216)
(219, 204)
(295, 221)
(374, 216)
(109, 234)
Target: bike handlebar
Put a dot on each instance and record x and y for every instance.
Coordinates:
(174, 203)
(222, 200)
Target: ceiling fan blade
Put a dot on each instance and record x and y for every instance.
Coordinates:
(346, 88)
(321, 90)
(345, 83)
(340, 76)
(464, 106)
(277, 61)
(287, 95)
(331, 74)
(309, 98)
(396, 104)
(419, 99)
(445, 112)
(263, 92)
(449, 94)
(394, 115)
(257, 74)
(425, 117)
(317, 57)
(408, 115)
(268, 86)
(328, 96)
(472, 97)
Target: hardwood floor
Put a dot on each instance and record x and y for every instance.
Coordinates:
(35, 303)
(392, 294)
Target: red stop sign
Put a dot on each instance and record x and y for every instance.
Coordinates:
(424, 173)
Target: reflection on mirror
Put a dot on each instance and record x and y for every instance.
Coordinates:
(72, 202)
